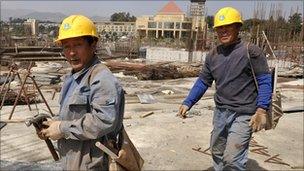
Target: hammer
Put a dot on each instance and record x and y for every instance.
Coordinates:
(37, 122)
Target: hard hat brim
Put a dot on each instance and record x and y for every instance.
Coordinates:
(219, 25)
(58, 41)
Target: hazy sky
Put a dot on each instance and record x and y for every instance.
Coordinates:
(142, 7)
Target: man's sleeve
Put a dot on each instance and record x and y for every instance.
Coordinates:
(197, 91)
(205, 75)
(258, 60)
(264, 91)
(263, 76)
(201, 85)
(105, 117)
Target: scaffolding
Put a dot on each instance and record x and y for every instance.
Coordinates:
(198, 32)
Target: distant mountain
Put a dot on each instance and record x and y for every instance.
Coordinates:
(99, 18)
(56, 17)
(14, 13)
(51, 16)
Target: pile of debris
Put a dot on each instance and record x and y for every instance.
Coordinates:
(157, 71)
(26, 81)
(31, 53)
(8, 97)
(46, 73)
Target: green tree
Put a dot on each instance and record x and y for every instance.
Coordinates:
(122, 17)
(209, 20)
(42, 29)
(250, 23)
(294, 23)
(17, 20)
(52, 30)
(114, 36)
(18, 30)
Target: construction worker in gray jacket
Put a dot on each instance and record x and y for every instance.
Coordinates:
(91, 100)
(240, 106)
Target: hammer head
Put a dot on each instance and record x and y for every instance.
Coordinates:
(37, 119)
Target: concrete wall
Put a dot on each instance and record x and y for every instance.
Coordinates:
(199, 56)
(156, 54)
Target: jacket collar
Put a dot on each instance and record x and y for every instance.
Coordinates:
(234, 45)
(226, 50)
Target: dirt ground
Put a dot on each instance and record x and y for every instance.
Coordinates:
(164, 140)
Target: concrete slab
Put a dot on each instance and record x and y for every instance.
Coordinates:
(164, 140)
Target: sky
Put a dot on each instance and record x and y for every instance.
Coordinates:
(106, 8)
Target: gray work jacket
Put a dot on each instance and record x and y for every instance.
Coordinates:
(94, 109)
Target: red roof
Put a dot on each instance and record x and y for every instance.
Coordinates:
(171, 8)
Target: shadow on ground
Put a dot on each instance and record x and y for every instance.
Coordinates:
(252, 165)
(9, 166)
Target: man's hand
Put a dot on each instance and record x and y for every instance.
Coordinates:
(258, 120)
(182, 111)
(41, 135)
(53, 132)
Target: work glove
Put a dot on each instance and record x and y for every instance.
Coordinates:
(182, 111)
(41, 135)
(258, 120)
(53, 132)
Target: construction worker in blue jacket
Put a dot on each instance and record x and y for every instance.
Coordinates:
(241, 107)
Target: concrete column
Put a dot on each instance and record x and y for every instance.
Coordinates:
(156, 34)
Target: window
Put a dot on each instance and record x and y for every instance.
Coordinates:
(177, 25)
(186, 25)
(151, 24)
(160, 25)
(169, 25)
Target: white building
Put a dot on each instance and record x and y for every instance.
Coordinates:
(32, 24)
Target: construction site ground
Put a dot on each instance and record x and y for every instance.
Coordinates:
(164, 140)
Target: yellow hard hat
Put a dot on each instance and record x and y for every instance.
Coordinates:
(76, 26)
(226, 16)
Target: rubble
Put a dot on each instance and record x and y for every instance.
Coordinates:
(11, 95)
(4, 79)
(156, 71)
